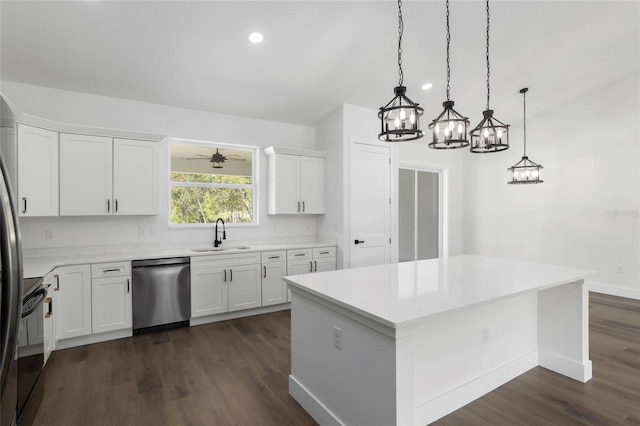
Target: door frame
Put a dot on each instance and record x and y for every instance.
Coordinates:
(443, 201)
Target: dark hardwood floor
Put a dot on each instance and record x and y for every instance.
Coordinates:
(235, 373)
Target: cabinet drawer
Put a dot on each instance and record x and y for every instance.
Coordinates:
(274, 256)
(224, 260)
(113, 269)
(324, 252)
(300, 254)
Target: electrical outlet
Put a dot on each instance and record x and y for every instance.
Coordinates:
(337, 337)
(141, 231)
(49, 234)
(485, 335)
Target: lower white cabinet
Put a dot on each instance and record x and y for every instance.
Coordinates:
(309, 260)
(274, 267)
(225, 283)
(72, 287)
(111, 297)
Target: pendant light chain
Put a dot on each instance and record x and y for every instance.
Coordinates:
(524, 113)
(488, 65)
(400, 33)
(448, 60)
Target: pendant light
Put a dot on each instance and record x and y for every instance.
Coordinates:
(490, 135)
(400, 118)
(525, 171)
(449, 128)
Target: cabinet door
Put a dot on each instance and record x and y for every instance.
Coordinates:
(324, 264)
(312, 185)
(111, 304)
(208, 291)
(135, 177)
(284, 184)
(245, 287)
(73, 300)
(274, 289)
(85, 175)
(37, 171)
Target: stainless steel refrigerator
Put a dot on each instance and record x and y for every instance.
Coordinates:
(10, 285)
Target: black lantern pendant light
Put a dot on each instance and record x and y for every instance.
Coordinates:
(525, 170)
(400, 118)
(490, 135)
(449, 128)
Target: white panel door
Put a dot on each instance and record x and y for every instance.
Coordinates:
(135, 177)
(274, 289)
(208, 291)
(37, 171)
(73, 301)
(370, 205)
(312, 192)
(284, 182)
(85, 175)
(245, 287)
(111, 304)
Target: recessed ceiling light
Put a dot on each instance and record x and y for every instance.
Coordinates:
(256, 38)
(427, 86)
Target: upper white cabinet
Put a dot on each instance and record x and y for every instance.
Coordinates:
(86, 164)
(295, 181)
(103, 176)
(135, 177)
(37, 171)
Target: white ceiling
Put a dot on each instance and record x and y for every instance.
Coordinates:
(319, 54)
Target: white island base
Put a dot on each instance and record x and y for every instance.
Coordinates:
(406, 344)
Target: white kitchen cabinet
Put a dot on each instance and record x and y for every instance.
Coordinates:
(135, 177)
(86, 175)
(72, 285)
(37, 171)
(295, 183)
(111, 302)
(274, 267)
(104, 176)
(225, 283)
(310, 260)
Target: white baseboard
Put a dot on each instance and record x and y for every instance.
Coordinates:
(239, 314)
(614, 290)
(581, 372)
(311, 404)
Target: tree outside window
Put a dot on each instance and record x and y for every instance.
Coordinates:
(211, 181)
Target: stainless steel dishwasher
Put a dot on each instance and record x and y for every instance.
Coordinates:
(161, 293)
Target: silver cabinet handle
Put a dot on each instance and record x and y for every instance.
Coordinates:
(298, 206)
(299, 254)
(315, 264)
(108, 205)
(265, 272)
(310, 266)
(325, 252)
(111, 270)
(274, 257)
(303, 208)
(57, 277)
(116, 201)
(225, 276)
(231, 275)
(24, 200)
(128, 286)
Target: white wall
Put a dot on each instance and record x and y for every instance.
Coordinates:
(111, 113)
(586, 213)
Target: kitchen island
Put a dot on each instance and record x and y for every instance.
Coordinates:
(405, 344)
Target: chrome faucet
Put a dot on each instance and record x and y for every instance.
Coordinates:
(216, 241)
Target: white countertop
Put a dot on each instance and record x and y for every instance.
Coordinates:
(397, 295)
(39, 262)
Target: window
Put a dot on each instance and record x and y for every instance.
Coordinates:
(211, 181)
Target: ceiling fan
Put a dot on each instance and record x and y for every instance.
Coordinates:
(217, 159)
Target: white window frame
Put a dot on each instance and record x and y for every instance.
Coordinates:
(255, 151)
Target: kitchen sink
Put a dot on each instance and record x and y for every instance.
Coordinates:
(218, 249)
